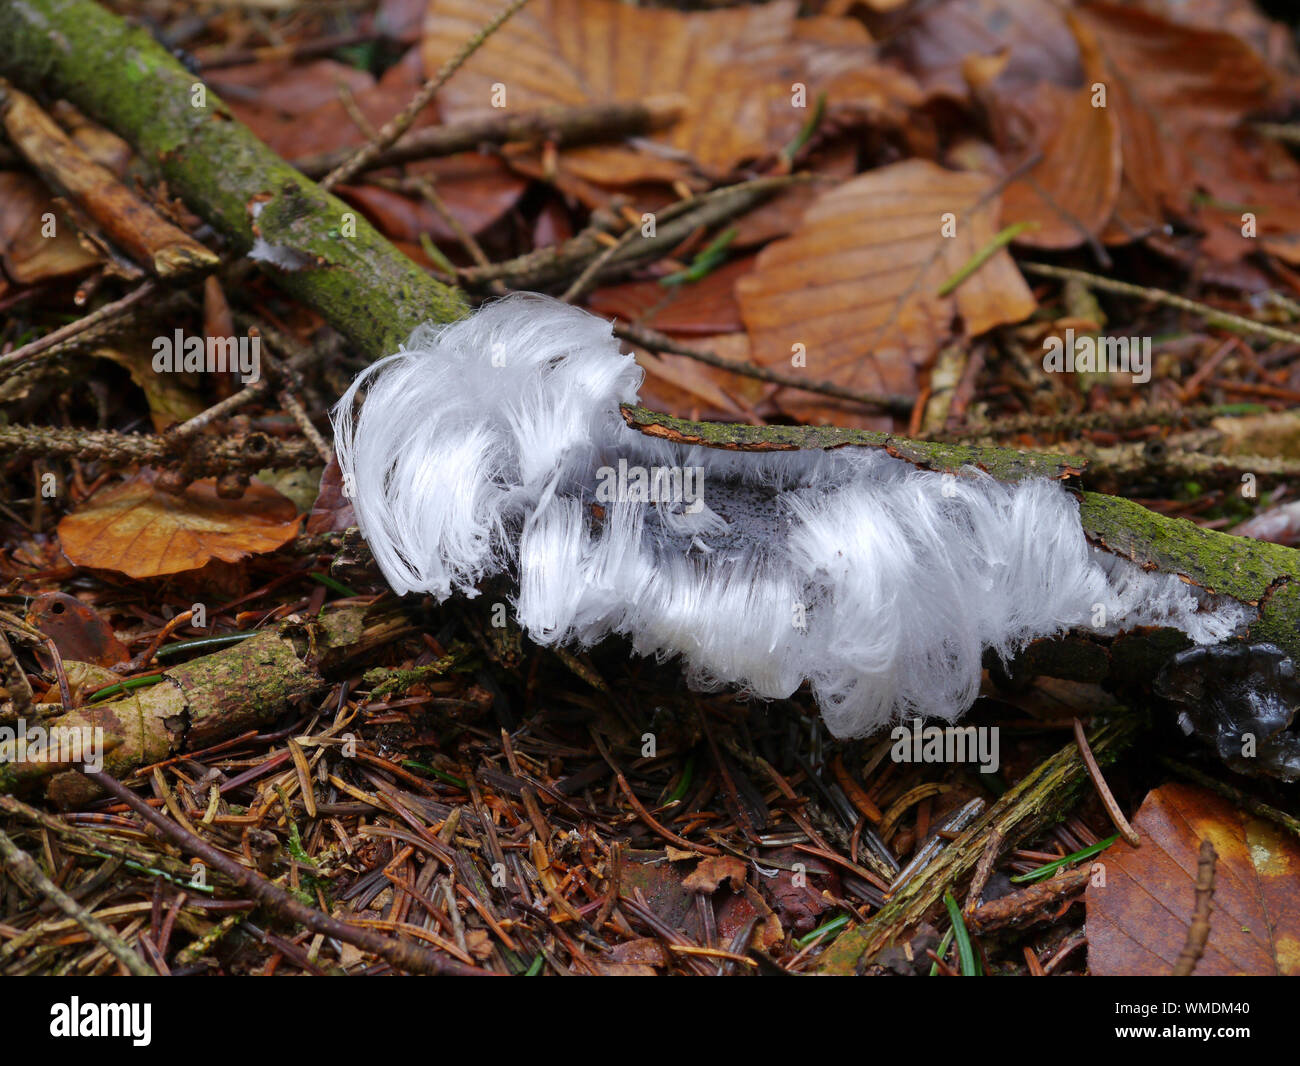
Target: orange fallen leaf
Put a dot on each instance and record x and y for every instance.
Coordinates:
(143, 532)
(1137, 923)
(1178, 93)
(79, 631)
(1070, 194)
(36, 239)
(736, 68)
(713, 870)
(857, 285)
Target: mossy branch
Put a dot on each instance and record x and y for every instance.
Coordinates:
(1262, 575)
(120, 76)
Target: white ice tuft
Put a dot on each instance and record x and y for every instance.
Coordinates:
(481, 448)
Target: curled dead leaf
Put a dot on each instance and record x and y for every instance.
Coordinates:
(142, 532)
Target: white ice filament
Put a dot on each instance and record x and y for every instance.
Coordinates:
(487, 446)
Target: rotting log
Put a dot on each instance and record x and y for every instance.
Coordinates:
(205, 700)
(120, 76)
(374, 295)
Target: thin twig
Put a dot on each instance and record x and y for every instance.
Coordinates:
(199, 457)
(649, 338)
(1198, 933)
(299, 414)
(24, 866)
(1212, 314)
(556, 125)
(63, 333)
(401, 122)
(191, 426)
(1103, 790)
(1239, 798)
(589, 273)
(402, 955)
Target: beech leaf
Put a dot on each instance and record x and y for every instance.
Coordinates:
(1138, 921)
(141, 531)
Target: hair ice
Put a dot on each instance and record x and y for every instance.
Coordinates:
(480, 448)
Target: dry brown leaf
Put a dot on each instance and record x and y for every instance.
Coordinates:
(694, 308)
(77, 629)
(1241, 18)
(300, 113)
(713, 870)
(30, 256)
(1039, 47)
(646, 951)
(1138, 922)
(1071, 193)
(857, 285)
(736, 69)
(621, 969)
(687, 388)
(332, 511)
(143, 532)
(1176, 91)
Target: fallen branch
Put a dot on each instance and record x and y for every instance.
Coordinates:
(124, 79)
(120, 214)
(1018, 909)
(208, 699)
(197, 456)
(550, 266)
(557, 125)
(1262, 575)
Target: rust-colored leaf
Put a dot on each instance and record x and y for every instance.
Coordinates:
(36, 239)
(1138, 922)
(1070, 194)
(77, 629)
(1176, 91)
(1032, 34)
(332, 510)
(713, 870)
(696, 308)
(735, 67)
(858, 284)
(679, 384)
(141, 531)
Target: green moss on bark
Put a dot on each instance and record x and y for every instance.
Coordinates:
(1006, 464)
(122, 77)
